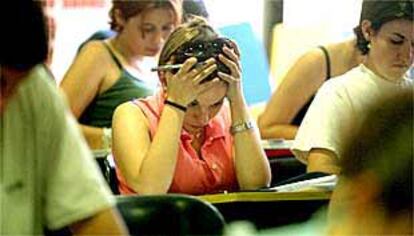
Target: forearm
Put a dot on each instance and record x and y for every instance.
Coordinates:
(278, 131)
(252, 166)
(158, 167)
(93, 136)
(322, 160)
(107, 222)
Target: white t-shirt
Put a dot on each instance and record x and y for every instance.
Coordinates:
(340, 107)
(48, 178)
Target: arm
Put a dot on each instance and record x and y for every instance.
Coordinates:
(82, 83)
(93, 136)
(322, 160)
(297, 87)
(252, 166)
(106, 222)
(151, 169)
(326, 126)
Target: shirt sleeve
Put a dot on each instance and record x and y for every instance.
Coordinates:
(326, 123)
(75, 189)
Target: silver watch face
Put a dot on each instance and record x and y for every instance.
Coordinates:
(241, 127)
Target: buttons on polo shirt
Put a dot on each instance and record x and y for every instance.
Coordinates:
(214, 166)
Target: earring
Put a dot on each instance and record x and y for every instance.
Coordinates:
(369, 45)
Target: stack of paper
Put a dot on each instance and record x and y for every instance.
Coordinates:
(321, 183)
(276, 144)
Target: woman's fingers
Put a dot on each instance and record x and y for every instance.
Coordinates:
(199, 67)
(205, 86)
(228, 78)
(204, 73)
(234, 68)
(188, 64)
(235, 47)
(231, 54)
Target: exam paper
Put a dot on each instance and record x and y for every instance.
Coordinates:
(323, 183)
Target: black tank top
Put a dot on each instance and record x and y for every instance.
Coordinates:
(301, 114)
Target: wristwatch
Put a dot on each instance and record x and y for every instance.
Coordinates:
(240, 127)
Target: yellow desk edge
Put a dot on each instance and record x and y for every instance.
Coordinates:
(266, 196)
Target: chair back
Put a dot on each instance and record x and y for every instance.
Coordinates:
(169, 214)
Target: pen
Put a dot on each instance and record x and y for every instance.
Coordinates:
(172, 67)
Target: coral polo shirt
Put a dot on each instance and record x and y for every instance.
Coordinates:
(213, 171)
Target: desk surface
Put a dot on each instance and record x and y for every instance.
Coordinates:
(266, 196)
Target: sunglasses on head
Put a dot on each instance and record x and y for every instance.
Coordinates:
(203, 50)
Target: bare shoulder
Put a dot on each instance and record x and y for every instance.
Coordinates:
(128, 108)
(129, 111)
(92, 63)
(310, 66)
(95, 49)
(312, 57)
(127, 118)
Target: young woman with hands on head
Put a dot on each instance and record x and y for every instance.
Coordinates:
(195, 135)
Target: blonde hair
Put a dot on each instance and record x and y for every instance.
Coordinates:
(131, 8)
(196, 28)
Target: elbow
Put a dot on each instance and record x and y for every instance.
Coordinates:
(145, 187)
(133, 183)
(259, 181)
(262, 126)
(254, 185)
(152, 190)
(106, 222)
(260, 122)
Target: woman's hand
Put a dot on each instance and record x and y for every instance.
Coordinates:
(232, 61)
(184, 86)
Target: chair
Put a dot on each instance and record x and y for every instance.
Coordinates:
(169, 214)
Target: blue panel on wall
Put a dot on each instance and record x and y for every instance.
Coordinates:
(254, 62)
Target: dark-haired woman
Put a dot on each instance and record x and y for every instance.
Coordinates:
(386, 36)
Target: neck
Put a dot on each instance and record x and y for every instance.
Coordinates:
(355, 57)
(371, 66)
(196, 133)
(121, 47)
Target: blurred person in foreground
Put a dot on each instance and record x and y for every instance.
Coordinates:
(374, 193)
(47, 178)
